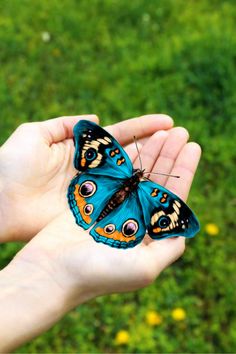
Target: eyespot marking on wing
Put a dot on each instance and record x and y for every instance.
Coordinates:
(80, 195)
(130, 228)
(163, 222)
(87, 188)
(91, 151)
(109, 229)
(88, 209)
(115, 235)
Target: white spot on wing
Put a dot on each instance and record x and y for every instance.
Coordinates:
(176, 208)
(103, 141)
(178, 203)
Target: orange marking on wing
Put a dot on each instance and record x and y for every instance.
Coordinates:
(114, 152)
(155, 192)
(83, 162)
(81, 202)
(120, 161)
(164, 197)
(116, 235)
(156, 230)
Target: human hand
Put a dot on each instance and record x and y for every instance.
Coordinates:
(36, 167)
(63, 266)
(98, 269)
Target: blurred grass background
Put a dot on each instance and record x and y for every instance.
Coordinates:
(121, 59)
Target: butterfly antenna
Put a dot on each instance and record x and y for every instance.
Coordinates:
(140, 161)
(162, 174)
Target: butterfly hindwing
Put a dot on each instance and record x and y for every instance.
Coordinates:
(87, 195)
(97, 152)
(165, 214)
(124, 227)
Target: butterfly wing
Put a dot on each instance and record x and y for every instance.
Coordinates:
(88, 194)
(97, 152)
(165, 214)
(124, 227)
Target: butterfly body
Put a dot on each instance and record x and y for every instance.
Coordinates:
(117, 200)
(129, 186)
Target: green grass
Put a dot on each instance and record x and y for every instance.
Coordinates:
(120, 59)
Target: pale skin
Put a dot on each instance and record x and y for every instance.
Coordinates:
(61, 266)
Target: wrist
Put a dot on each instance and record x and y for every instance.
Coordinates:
(8, 229)
(30, 299)
(41, 284)
(58, 250)
(6, 217)
(13, 219)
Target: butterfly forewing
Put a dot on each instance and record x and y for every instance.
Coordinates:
(165, 214)
(97, 152)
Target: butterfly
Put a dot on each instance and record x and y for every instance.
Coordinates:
(116, 200)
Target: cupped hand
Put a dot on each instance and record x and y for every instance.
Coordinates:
(36, 166)
(82, 268)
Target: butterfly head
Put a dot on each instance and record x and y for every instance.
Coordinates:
(138, 173)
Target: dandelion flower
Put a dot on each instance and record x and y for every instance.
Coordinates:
(153, 318)
(212, 229)
(122, 337)
(178, 314)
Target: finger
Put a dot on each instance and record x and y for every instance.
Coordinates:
(185, 166)
(165, 252)
(131, 150)
(176, 140)
(131, 147)
(139, 127)
(59, 129)
(151, 150)
(140, 141)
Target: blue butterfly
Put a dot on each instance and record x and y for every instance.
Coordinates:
(116, 199)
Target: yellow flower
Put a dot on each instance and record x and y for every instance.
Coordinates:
(212, 229)
(122, 337)
(178, 314)
(153, 318)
